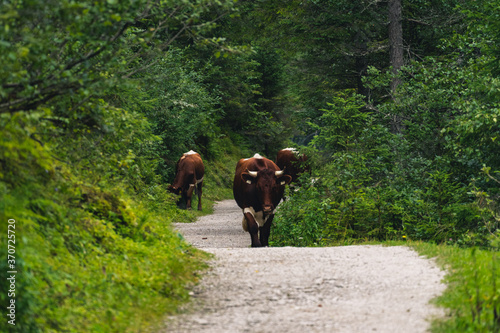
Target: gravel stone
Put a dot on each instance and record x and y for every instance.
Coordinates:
(291, 289)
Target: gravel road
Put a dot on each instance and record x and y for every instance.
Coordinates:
(288, 290)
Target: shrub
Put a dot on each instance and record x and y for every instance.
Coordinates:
(94, 247)
(300, 220)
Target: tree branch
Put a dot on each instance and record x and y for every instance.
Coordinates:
(419, 22)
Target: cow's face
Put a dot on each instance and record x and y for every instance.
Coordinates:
(269, 184)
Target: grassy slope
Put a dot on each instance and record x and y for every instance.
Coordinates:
(472, 297)
(94, 262)
(95, 257)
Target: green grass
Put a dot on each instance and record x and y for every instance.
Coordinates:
(472, 297)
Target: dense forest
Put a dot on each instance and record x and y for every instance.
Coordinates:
(395, 102)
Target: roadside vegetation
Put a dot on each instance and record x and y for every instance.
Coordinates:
(471, 300)
(99, 99)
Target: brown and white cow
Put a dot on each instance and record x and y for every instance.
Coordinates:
(258, 188)
(189, 174)
(292, 162)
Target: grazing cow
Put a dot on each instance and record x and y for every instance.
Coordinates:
(258, 188)
(190, 171)
(292, 162)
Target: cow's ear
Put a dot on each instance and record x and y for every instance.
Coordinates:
(285, 180)
(247, 178)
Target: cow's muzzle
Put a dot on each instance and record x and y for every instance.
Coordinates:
(174, 190)
(268, 210)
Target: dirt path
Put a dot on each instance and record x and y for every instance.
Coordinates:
(288, 290)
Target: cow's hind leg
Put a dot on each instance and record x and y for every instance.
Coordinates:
(253, 229)
(265, 231)
(199, 190)
(189, 195)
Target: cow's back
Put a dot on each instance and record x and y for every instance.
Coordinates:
(190, 168)
(285, 158)
(292, 162)
(195, 162)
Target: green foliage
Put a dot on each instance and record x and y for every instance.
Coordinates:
(352, 199)
(483, 32)
(218, 182)
(82, 273)
(443, 212)
(250, 87)
(341, 125)
(98, 100)
(95, 254)
(472, 296)
(56, 48)
(25, 154)
(377, 185)
(472, 136)
(92, 97)
(300, 220)
(182, 111)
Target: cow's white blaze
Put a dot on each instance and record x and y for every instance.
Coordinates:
(258, 216)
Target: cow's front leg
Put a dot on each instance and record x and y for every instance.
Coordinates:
(253, 229)
(265, 231)
(189, 195)
(200, 185)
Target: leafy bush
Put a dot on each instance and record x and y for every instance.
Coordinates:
(377, 185)
(94, 247)
(442, 212)
(79, 272)
(300, 220)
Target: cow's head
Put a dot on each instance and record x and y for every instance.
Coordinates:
(270, 185)
(175, 190)
(179, 183)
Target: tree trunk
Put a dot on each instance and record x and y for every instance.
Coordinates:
(396, 53)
